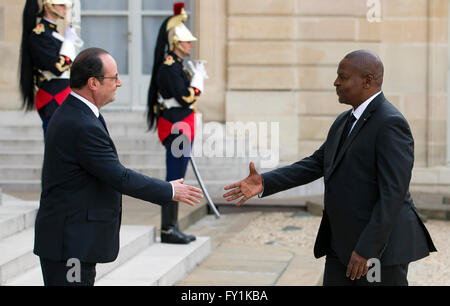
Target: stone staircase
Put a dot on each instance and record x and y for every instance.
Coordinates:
(159, 264)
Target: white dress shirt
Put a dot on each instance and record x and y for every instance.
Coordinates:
(360, 110)
(91, 105)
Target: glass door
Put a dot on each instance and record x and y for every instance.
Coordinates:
(105, 24)
(128, 30)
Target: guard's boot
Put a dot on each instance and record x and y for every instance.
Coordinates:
(169, 225)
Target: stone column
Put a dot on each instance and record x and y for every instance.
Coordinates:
(10, 37)
(210, 27)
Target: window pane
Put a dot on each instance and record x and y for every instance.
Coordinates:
(109, 33)
(104, 5)
(162, 5)
(150, 29)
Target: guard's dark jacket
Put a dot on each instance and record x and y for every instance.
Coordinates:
(174, 82)
(45, 44)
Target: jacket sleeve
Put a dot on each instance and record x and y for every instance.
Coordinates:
(97, 156)
(45, 52)
(172, 84)
(300, 173)
(394, 161)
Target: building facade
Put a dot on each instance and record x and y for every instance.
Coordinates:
(276, 61)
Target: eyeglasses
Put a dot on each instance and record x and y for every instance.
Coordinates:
(116, 77)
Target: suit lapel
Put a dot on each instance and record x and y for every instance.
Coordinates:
(354, 133)
(74, 101)
(335, 140)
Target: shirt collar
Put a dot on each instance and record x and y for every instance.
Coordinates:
(176, 57)
(88, 103)
(360, 110)
(53, 26)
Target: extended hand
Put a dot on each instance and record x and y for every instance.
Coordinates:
(357, 266)
(185, 193)
(247, 188)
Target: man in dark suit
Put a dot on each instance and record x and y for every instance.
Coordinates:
(83, 181)
(366, 162)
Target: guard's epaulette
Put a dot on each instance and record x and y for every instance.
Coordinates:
(39, 29)
(169, 61)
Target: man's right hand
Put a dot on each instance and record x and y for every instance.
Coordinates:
(185, 193)
(245, 189)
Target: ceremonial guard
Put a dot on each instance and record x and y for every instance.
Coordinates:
(171, 109)
(46, 57)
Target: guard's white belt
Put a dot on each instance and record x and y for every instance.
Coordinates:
(170, 103)
(48, 75)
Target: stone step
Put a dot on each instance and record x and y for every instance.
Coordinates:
(20, 185)
(216, 172)
(17, 216)
(159, 265)
(115, 129)
(16, 255)
(20, 267)
(20, 118)
(125, 157)
(9, 143)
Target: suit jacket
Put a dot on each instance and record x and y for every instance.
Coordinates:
(82, 185)
(368, 207)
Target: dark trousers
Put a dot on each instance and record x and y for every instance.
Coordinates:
(176, 169)
(57, 273)
(335, 275)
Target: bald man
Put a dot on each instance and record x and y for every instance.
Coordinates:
(366, 162)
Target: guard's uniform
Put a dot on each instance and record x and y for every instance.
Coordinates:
(179, 100)
(50, 69)
(171, 107)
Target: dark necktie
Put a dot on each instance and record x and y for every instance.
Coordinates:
(348, 125)
(102, 120)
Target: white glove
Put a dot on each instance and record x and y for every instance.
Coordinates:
(72, 43)
(200, 68)
(197, 81)
(71, 34)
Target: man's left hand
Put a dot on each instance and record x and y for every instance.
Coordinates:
(357, 266)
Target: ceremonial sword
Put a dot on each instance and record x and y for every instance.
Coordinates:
(205, 192)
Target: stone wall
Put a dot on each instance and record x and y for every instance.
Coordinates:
(284, 54)
(10, 35)
(276, 60)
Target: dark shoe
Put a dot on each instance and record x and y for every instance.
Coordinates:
(190, 237)
(173, 235)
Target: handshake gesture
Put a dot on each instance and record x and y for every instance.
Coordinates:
(185, 193)
(245, 189)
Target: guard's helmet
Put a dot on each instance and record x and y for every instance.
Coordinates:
(50, 3)
(171, 33)
(176, 30)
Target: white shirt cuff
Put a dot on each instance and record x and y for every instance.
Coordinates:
(173, 191)
(262, 192)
